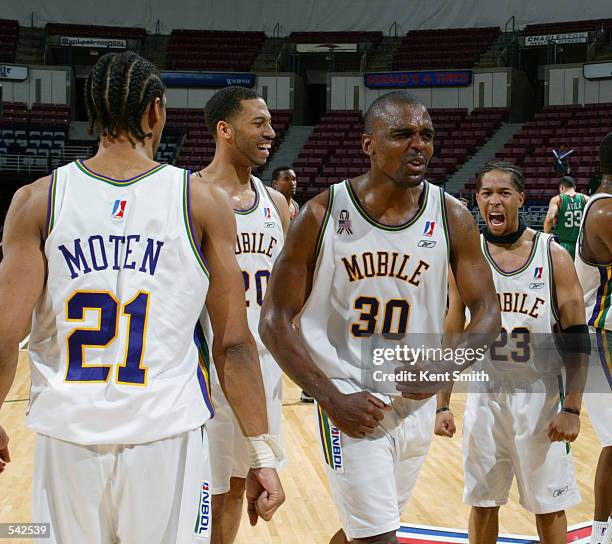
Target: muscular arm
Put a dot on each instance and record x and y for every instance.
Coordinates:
(473, 277)
(551, 214)
(22, 280)
(234, 349)
(22, 273)
(597, 234)
(295, 267)
(570, 303)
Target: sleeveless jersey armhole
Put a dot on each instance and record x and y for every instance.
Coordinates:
(323, 227)
(197, 250)
(51, 205)
(551, 281)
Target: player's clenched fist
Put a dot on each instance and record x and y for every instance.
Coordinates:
(4, 452)
(445, 424)
(565, 427)
(264, 493)
(356, 414)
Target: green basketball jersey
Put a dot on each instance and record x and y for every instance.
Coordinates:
(569, 218)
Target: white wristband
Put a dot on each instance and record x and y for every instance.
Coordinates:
(264, 451)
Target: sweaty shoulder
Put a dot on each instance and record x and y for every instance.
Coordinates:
(313, 212)
(460, 219)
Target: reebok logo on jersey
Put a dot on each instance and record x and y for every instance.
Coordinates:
(344, 223)
(536, 286)
(427, 243)
(537, 274)
(202, 527)
(560, 492)
(429, 228)
(267, 213)
(119, 210)
(269, 225)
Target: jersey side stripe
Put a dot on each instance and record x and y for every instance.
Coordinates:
(203, 366)
(189, 225)
(602, 303)
(51, 203)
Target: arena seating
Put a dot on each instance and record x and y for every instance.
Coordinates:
(580, 128)
(335, 37)
(567, 27)
(439, 49)
(213, 50)
(333, 151)
(199, 146)
(93, 31)
(9, 33)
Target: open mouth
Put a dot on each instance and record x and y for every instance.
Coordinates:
(265, 148)
(497, 220)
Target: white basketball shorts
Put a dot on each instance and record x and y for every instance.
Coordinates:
(371, 478)
(152, 493)
(505, 435)
(228, 452)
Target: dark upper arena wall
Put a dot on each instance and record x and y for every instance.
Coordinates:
(302, 15)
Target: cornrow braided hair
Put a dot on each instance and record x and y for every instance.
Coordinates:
(510, 168)
(118, 90)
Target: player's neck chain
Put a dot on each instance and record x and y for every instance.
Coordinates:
(509, 238)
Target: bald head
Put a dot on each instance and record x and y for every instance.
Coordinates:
(384, 105)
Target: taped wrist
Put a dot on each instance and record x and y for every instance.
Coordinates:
(264, 451)
(575, 339)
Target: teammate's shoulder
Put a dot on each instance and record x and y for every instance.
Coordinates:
(315, 209)
(278, 198)
(559, 255)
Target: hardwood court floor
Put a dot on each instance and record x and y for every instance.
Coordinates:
(309, 515)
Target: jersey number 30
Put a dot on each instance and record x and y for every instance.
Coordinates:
(131, 371)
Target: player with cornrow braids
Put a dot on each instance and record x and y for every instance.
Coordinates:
(111, 256)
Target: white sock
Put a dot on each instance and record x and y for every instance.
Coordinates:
(598, 531)
(607, 537)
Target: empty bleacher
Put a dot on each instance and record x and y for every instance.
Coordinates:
(9, 33)
(567, 27)
(333, 151)
(94, 31)
(441, 49)
(577, 127)
(335, 37)
(224, 51)
(199, 146)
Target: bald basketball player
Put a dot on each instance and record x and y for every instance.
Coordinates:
(370, 256)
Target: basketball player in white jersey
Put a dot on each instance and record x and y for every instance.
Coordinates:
(371, 255)
(516, 421)
(594, 267)
(116, 255)
(240, 122)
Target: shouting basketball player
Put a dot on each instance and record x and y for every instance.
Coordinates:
(240, 122)
(516, 422)
(357, 266)
(594, 267)
(112, 255)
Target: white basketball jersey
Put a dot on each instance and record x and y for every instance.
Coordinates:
(596, 280)
(113, 354)
(372, 278)
(260, 240)
(527, 303)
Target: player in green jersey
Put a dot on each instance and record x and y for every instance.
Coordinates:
(565, 213)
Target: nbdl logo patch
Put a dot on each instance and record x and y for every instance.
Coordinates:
(202, 527)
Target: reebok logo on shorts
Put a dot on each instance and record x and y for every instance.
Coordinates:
(202, 527)
(560, 492)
